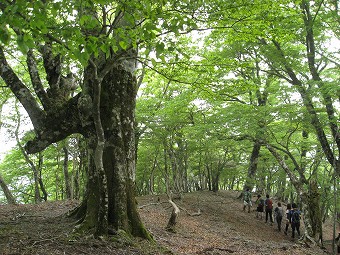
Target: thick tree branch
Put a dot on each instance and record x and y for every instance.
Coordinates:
(52, 65)
(307, 101)
(295, 181)
(36, 81)
(310, 46)
(21, 92)
(290, 155)
(57, 127)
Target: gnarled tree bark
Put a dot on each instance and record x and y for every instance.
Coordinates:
(103, 112)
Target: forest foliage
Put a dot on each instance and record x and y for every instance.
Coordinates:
(231, 95)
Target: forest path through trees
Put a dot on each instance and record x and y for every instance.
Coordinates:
(221, 228)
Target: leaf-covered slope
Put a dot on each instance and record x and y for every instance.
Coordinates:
(220, 228)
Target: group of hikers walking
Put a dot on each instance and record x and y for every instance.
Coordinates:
(292, 214)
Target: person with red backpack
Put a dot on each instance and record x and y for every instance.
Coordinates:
(269, 209)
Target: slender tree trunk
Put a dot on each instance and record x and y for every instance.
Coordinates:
(41, 183)
(37, 197)
(280, 195)
(66, 174)
(209, 177)
(76, 179)
(166, 168)
(57, 184)
(8, 194)
(82, 167)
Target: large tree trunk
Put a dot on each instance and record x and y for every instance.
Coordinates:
(249, 183)
(313, 217)
(117, 118)
(117, 112)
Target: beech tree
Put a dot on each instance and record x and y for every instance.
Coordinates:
(81, 60)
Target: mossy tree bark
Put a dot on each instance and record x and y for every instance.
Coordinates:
(118, 92)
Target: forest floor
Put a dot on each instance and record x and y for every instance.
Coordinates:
(221, 228)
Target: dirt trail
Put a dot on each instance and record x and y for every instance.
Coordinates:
(221, 228)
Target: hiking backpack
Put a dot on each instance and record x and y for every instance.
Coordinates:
(247, 196)
(269, 204)
(295, 217)
(261, 203)
(278, 213)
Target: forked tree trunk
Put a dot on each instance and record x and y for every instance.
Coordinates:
(59, 114)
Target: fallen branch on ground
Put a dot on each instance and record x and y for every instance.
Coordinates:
(198, 213)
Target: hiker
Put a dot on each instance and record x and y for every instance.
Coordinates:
(338, 242)
(269, 209)
(289, 208)
(278, 214)
(247, 200)
(295, 220)
(260, 204)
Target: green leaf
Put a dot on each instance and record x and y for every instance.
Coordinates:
(123, 45)
(4, 35)
(22, 45)
(29, 40)
(159, 48)
(154, 62)
(114, 48)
